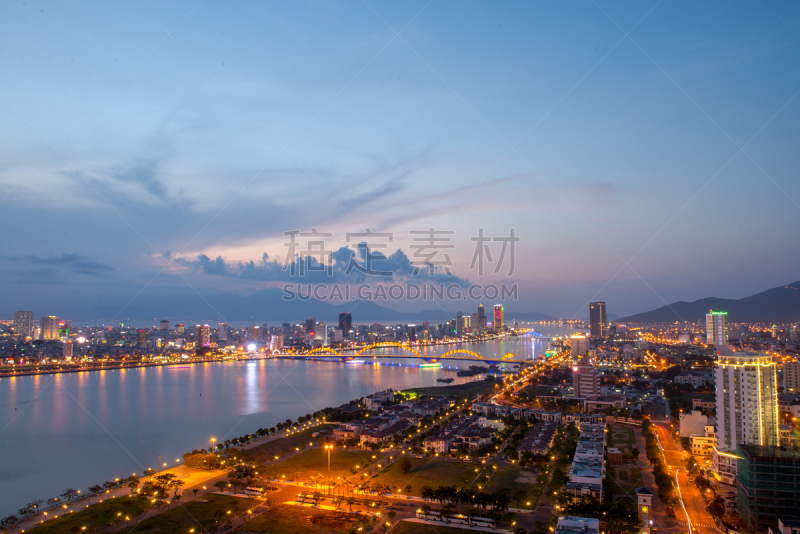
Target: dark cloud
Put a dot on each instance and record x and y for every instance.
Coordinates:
(75, 263)
(346, 266)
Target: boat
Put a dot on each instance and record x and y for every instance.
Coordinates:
(445, 380)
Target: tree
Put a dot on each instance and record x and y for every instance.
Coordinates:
(405, 464)
(69, 494)
(350, 502)
(391, 514)
(717, 507)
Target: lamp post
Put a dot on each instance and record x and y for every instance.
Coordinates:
(159, 461)
(329, 447)
(213, 440)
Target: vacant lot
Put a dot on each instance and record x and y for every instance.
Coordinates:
(315, 462)
(290, 519)
(624, 480)
(621, 436)
(96, 516)
(201, 515)
(427, 472)
(513, 479)
(268, 451)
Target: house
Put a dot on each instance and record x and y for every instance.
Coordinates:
(693, 379)
(377, 400)
(577, 525)
(491, 422)
(601, 402)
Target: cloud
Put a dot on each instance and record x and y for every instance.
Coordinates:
(362, 265)
(76, 263)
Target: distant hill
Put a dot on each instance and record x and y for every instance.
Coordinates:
(777, 305)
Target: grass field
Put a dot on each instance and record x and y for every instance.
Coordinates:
(513, 479)
(269, 450)
(621, 437)
(96, 516)
(427, 472)
(315, 461)
(407, 527)
(624, 480)
(196, 514)
(289, 519)
(476, 387)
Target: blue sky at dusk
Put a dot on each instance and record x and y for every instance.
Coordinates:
(138, 139)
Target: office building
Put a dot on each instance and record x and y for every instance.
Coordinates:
(480, 322)
(142, 340)
(598, 320)
(321, 333)
(768, 488)
(747, 408)
(717, 328)
(67, 350)
(585, 381)
(498, 324)
(345, 323)
(222, 333)
(202, 335)
(49, 327)
(311, 325)
(164, 324)
(579, 344)
(179, 328)
(791, 377)
(255, 332)
(23, 323)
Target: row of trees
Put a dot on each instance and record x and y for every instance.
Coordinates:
(666, 488)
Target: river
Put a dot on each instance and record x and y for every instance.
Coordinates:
(79, 429)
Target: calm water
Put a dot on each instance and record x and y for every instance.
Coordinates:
(79, 429)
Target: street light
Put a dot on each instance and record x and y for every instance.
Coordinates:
(329, 448)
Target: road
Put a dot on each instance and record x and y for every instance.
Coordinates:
(692, 505)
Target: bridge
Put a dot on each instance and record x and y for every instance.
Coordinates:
(369, 351)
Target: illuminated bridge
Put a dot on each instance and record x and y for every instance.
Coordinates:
(404, 351)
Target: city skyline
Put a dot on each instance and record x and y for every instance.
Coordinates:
(180, 158)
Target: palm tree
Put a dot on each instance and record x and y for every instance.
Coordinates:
(350, 502)
(425, 509)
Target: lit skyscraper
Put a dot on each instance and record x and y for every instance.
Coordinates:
(49, 326)
(165, 324)
(598, 320)
(585, 381)
(747, 407)
(498, 318)
(717, 328)
(480, 324)
(203, 335)
(142, 340)
(23, 323)
(222, 333)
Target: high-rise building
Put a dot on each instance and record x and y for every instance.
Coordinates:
(255, 332)
(311, 326)
(37, 332)
(598, 320)
(345, 323)
(747, 407)
(63, 330)
(459, 324)
(321, 333)
(498, 318)
(202, 335)
(768, 485)
(222, 333)
(49, 326)
(585, 381)
(579, 344)
(142, 337)
(179, 328)
(67, 350)
(164, 324)
(791, 377)
(23, 323)
(480, 322)
(717, 328)
(411, 332)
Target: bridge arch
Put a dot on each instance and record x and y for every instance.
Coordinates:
(388, 344)
(319, 350)
(461, 351)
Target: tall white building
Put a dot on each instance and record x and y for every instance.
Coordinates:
(585, 381)
(747, 407)
(579, 344)
(717, 328)
(23, 323)
(49, 326)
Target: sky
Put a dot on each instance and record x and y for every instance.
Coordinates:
(642, 152)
